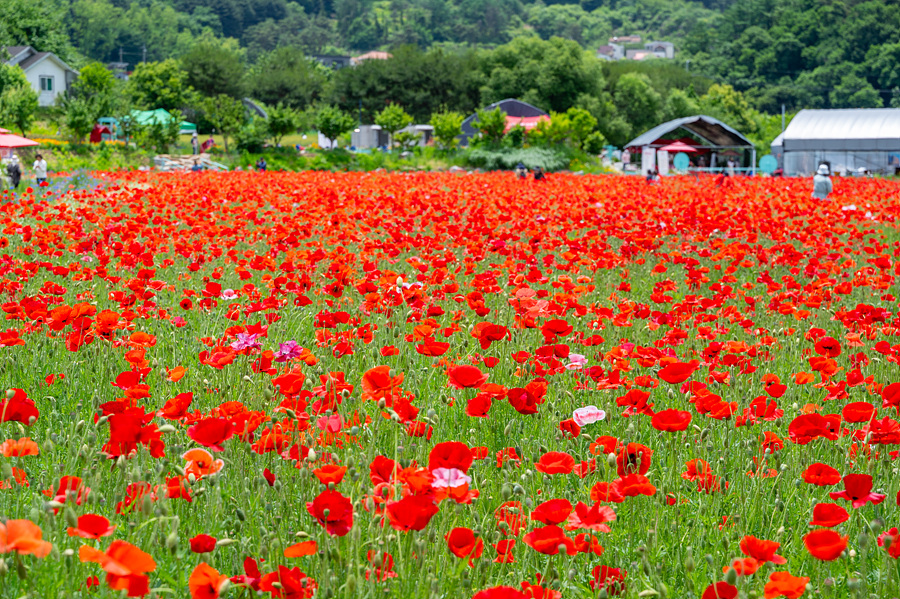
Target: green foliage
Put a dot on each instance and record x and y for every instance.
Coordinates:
(79, 117)
(407, 139)
(282, 121)
(392, 119)
(572, 127)
(252, 136)
(421, 82)
(332, 122)
(37, 24)
(286, 75)
(447, 127)
(94, 79)
(214, 69)
(730, 106)
(491, 124)
(18, 102)
(492, 160)
(547, 74)
(638, 103)
(225, 114)
(163, 85)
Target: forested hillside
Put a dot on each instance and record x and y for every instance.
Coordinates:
(460, 53)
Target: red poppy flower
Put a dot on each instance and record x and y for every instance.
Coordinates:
(479, 406)
(411, 513)
(269, 476)
(829, 515)
(23, 537)
(522, 400)
(550, 540)
(555, 462)
(504, 551)
(465, 377)
(18, 407)
(211, 432)
(91, 526)
(501, 592)
(821, 475)
(858, 491)
(761, 550)
(126, 566)
(451, 454)
(553, 511)
(720, 590)
(463, 543)
(12, 448)
(593, 518)
(203, 543)
(678, 372)
(825, 544)
(828, 347)
(330, 473)
(671, 420)
(782, 584)
(339, 519)
(301, 549)
(612, 580)
(858, 411)
(292, 584)
(205, 582)
(633, 485)
(633, 458)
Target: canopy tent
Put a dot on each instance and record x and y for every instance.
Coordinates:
(845, 139)
(715, 137)
(9, 140)
(512, 108)
(159, 116)
(2, 130)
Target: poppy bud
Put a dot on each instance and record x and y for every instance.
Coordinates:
(350, 585)
(505, 491)
(225, 542)
(21, 570)
(689, 564)
(166, 428)
(731, 576)
(269, 393)
(3, 568)
(240, 515)
(10, 394)
(172, 541)
(863, 540)
(79, 425)
(311, 456)
(611, 460)
(71, 518)
(246, 379)
(709, 559)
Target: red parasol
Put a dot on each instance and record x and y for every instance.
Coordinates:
(678, 146)
(8, 140)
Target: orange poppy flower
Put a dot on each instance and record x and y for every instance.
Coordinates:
(18, 447)
(23, 537)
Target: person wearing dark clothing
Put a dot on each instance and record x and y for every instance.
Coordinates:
(261, 165)
(538, 173)
(14, 170)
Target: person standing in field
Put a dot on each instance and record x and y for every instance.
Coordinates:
(821, 183)
(40, 169)
(14, 170)
(195, 143)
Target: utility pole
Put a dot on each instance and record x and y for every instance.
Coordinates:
(121, 59)
(144, 53)
(782, 117)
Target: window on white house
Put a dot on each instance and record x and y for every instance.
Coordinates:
(46, 84)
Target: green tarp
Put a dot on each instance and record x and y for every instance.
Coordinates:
(160, 116)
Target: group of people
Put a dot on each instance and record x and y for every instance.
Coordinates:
(522, 172)
(15, 171)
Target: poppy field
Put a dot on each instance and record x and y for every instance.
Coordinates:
(297, 385)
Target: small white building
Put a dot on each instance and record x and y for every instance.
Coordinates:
(49, 76)
(661, 49)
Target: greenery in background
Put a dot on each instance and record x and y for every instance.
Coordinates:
(447, 127)
(18, 102)
(392, 119)
(225, 114)
(333, 122)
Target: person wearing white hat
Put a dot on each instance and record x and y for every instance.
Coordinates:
(821, 183)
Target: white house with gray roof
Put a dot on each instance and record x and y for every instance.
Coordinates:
(48, 74)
